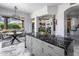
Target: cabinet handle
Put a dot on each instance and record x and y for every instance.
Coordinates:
(49, 54)
(50, 47)
(31, 46)
(42, 50)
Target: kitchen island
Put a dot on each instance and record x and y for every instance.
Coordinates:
(47, 45)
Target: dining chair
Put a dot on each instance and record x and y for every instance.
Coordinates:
(23, 33)
(4, 36)
(1, 36)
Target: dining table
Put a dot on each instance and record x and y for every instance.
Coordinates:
(14, 34)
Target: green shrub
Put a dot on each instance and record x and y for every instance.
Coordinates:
(1, 25)
(14, 26)
(42, 29)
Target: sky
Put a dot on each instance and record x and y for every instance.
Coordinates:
(1, 19)
(10, 20)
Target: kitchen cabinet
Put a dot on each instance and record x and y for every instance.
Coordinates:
(51, 50)
(36, 47)
(29, 42)
(41, 48)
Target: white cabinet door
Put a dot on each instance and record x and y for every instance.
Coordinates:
(41, 48)
(59, 51)
(28, 42)
(36, 47)
(27, 39)
(45, 49)
(51, 50)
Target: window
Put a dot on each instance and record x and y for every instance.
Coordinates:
(1, 23)
(15, 23)
(11, 23)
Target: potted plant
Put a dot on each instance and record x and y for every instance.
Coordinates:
(42, 31)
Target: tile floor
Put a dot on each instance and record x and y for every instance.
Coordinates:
(15, 50)
(76, 45)
(7, 42)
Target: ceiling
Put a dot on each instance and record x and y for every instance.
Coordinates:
(45, 17)
(27, 7)
(74, 11)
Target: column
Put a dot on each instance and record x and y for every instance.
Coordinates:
(36, 26)
(54, 22)
(5, 23)
(28, 24)
(22, 23)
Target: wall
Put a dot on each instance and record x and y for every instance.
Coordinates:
(74, 22)
(52, 10)
(8, 12)
(60, 27)
(39, 12)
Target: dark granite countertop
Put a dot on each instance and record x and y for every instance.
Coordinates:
(62, 42)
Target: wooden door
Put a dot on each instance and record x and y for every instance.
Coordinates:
(68, 25)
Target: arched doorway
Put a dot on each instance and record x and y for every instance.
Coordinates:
(71, 16)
